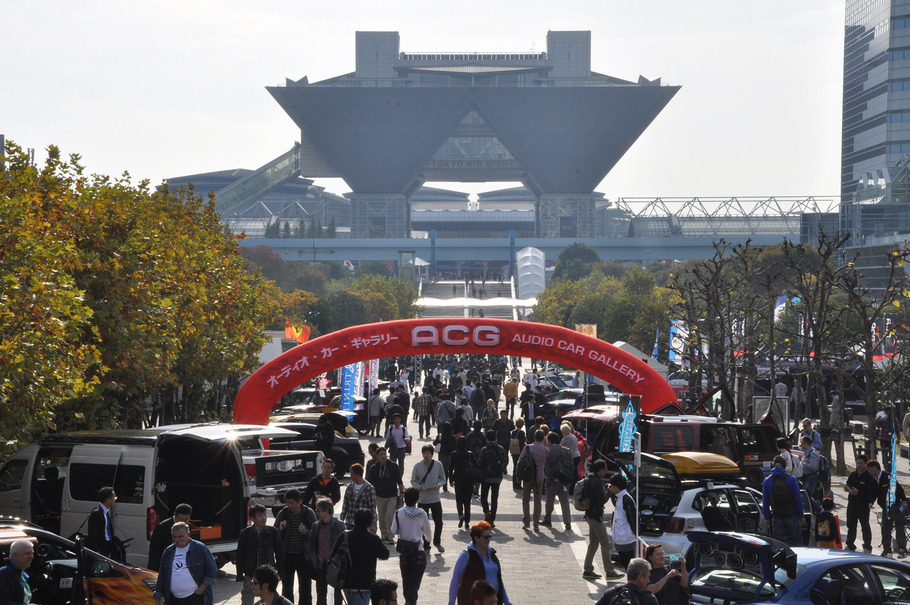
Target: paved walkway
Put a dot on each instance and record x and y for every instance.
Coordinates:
(537, 567)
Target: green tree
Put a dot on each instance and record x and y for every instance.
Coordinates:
(575, 262)
(169, 304)
(47, 341)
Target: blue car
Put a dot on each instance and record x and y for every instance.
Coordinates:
(742, 568)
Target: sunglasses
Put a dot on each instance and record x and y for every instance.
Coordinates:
(486, 536)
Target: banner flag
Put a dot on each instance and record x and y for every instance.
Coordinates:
(347, 386)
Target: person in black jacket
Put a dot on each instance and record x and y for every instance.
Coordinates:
(320, 540)
(161, 537)
(323, 484)
(12, 582)
(366, 549)
(893, 515)
(100, 536)
(861, 492)
(259, 544)
(294, 522)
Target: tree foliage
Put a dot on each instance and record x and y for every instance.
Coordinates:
(136, 293)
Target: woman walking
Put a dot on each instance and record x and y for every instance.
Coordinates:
(477, 562)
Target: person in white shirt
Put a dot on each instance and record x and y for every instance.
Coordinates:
(624, 517)
(187, 571)
(427, 477)
(413, 528)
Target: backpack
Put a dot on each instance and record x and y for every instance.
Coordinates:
(527, 467)
(491, 462)
(580, 498)
(515, 443)
(620, 595)
(823, 527)
(339, 567)
(565, 470)
(781, 499)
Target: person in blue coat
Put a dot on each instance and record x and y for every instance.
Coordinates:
(188, 571)
(782, 503)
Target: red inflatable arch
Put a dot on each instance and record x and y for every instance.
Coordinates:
(447, 335)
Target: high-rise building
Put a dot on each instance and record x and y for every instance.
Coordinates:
(875, 160)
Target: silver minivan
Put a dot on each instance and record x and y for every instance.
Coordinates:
(54, 482)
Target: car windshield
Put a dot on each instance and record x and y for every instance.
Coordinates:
(741, 583)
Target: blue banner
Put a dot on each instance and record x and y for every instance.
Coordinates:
(627, 428)
(348, 386)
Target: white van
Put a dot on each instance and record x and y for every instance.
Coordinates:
(54, 482)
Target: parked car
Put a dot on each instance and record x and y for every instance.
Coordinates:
(56, 576)
(345, 450)
(672, 507)
(55, 480)
(738, 568)
(750, 446)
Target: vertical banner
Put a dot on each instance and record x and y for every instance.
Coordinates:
(678, 335)
(656, 343)
(348, 374)
(358, 378)
(628, 427)
(374, 374)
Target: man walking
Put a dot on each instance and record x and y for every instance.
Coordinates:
(422, 408)
(510, 390)
(596, 494)
(294, 522)
(375, 406)
(860, 492)
(385, 477)
(783, 504)
(428, 476)
(321, 540)
(188, 571)
(538, 453)
(558, 472)
(259, 544)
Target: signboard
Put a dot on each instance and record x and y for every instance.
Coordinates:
(628, 427)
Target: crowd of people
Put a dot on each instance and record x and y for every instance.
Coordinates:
(469, 439)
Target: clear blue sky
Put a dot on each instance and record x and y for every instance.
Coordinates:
(174, 87)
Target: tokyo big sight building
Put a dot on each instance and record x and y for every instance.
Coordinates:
(401, 120)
